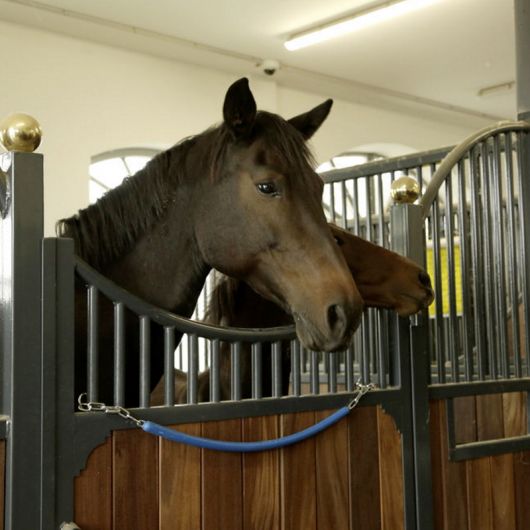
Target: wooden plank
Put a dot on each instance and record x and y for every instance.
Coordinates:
(454, 480)
(490, 424)
(135, 480)
(2, 480)
(522, 489)
(298, 475)
(436, 465)
(365, 510)
(93, 490)
(479, 499)
(502, 493)
(261, 476)
(332, 475)
(222, 478)
(465, 416)
(180, 482)
(514, 414)
(391, 473)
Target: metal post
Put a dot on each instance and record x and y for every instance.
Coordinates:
(406, 224)
(522, 57)
(20, 398)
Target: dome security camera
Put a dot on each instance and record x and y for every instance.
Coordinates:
(269, 66)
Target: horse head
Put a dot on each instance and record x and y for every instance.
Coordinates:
(260, 219)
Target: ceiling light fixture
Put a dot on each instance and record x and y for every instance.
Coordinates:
(359, 20)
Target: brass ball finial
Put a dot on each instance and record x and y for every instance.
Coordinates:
(405, 190)
(20, 132)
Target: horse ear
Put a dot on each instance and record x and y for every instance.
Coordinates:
(309, 122)
(239, 109)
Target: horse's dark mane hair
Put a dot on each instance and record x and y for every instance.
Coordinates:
(222, 302)
(109, 228)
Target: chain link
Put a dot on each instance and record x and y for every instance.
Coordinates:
(361, 391)
(95, 406)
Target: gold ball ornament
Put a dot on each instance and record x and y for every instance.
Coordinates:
(20, 132)
(405, 190)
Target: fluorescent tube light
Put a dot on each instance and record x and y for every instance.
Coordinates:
(360, 20)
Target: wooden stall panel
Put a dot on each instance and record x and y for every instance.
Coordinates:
(503, 492)
(180, 483)
(365, 511)
(390, 472)
(298, 487)
(261, 476)
(514, 406)
(449, 478)
(479, 494)
(332, 475)
(93, 490)
(222, 488)
(135, 480)
(522, 489)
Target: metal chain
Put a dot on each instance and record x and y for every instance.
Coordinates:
(94, 406)
(361, 391)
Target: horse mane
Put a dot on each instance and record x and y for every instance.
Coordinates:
(109, 228)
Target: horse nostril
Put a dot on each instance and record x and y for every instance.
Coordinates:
(335, 313)
(424, 279)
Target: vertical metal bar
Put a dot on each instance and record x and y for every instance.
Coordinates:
(193, 368)
(369, 198)
(92, 344)
(344, 208)
(145, 360)
(381, 210)
(477, 265)
(295, 367)
(349, 368)
(439, 335)
(523, 160)
(355, 205)
(513, 280)
(276, 369)
(332, 200)
(498, 258)
(489, 276)
(332, 372)
(215, 392)
(256, 370)
(313, 373)
(465, 274)
(235, 362)
(381, 347)
(522, 45)
(453, 345)
(119, 354)
(169, 366)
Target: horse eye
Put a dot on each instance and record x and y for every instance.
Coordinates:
(267, 188)
(339, 241)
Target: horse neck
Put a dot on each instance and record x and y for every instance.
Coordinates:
(165, 267)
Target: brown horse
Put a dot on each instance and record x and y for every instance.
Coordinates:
(241, 197)
(384, 278)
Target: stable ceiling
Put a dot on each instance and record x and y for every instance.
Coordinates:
(439, 56)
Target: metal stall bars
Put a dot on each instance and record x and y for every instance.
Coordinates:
(476, 210)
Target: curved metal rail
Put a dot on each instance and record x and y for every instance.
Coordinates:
(184, 325)
(456, 155)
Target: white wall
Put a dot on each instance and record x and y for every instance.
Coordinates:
(91, 98)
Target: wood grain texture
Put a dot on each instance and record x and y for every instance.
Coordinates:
(261, 476)
(298, 466)
(180, 482)
(390, 473)
(365, 498)
(480, 504)
(93, 490)
(454, 478)
(490, 423)
(135, 480)
(522, 489)
(222, 488)
(503, 492)
(436, 465)
(332, 475)
(465, 416)
(2, 479)
(514, 414)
